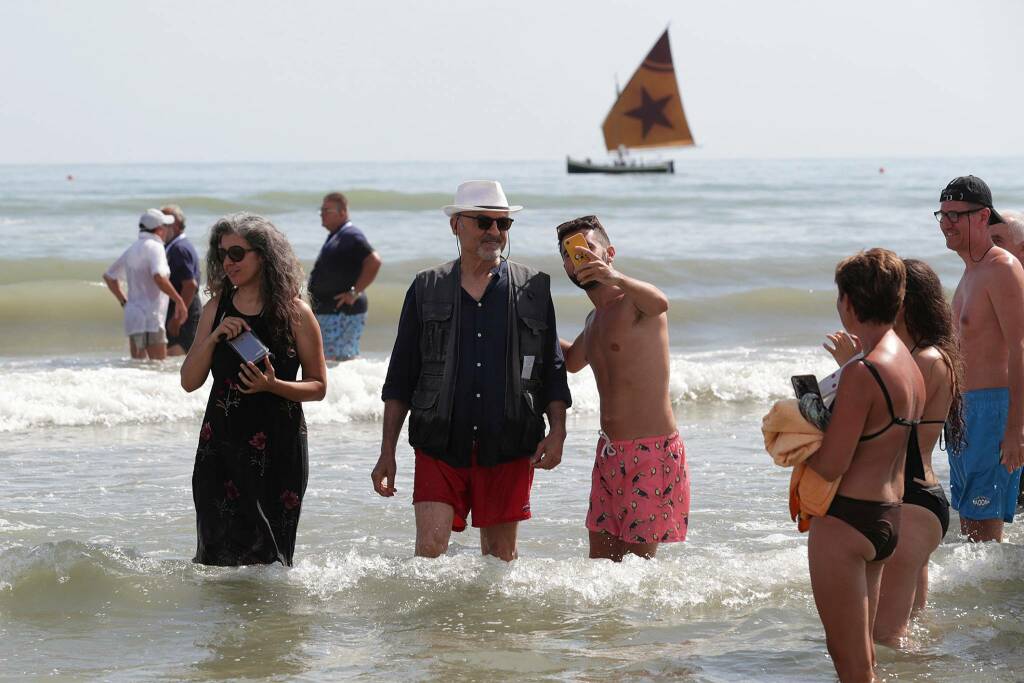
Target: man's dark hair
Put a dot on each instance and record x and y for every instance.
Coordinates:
(875, 281)
(337, 198)
(584, 224)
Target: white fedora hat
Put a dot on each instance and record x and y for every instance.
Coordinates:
(479, 195)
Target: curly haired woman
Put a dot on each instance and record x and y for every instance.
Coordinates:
(252, 464)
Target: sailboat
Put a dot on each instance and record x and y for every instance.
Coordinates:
(648, 113)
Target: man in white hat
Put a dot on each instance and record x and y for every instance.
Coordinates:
(478, 362)
(144, 266)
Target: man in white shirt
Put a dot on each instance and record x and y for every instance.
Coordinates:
(144, 266)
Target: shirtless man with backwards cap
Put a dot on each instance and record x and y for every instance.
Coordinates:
(988, 313)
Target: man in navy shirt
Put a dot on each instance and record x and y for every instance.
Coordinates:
(184, 263)
(478, 362)
(346, 266)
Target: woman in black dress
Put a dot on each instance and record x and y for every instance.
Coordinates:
(251, 464)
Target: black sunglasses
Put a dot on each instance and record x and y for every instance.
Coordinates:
(485, 222)
(953, 216)
(235, 253)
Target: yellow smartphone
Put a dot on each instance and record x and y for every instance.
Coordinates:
(572, 244)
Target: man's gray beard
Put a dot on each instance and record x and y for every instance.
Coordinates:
(485, 254)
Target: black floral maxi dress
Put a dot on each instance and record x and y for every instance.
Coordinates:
(252, 463)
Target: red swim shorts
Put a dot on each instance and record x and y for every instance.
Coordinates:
(640, 490)
(496, 494)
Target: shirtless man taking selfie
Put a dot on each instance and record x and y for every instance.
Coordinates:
(640, 488)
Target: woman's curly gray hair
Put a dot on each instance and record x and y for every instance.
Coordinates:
(281, 275)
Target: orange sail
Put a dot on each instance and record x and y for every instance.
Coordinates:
(649, 112)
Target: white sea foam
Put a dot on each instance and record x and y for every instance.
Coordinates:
(46, 396)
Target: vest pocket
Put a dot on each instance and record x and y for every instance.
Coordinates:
(531, 343)
(423, 399)
(436, 328)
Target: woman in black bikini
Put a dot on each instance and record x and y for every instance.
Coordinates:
(251, 463)
(925, 325)
(878, 403)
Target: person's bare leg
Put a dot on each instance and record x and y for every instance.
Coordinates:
(176, 350)
(837, 558)
(499, 540)
(982, 530)
(644, 550)
(157, 351)
(137, 353)
(604, 546)
(920, 534)
(433, 528)
(873, 582)
(921, 594)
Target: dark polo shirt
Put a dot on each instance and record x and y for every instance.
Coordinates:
(337, 268)
(183, 260)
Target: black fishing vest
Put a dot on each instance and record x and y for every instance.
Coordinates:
(439, 303)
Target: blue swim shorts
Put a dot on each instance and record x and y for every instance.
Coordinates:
(341, 333)
(980, 486)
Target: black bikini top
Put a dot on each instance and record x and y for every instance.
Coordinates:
(903, 422)
(914, 463)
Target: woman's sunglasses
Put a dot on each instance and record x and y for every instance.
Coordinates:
(485, 222)
(235, 253)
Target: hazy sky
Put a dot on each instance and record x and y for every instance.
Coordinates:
(189, 80)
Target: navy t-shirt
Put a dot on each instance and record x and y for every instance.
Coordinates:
(183, 261)
(337, 268)
(184, 264)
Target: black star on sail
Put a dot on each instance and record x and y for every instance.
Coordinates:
(651, 112)
(651, 97)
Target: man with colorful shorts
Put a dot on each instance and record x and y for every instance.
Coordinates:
(640, 487)
(988, 314)
(477, 360)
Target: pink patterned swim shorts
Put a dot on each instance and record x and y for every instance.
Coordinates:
(640, 490)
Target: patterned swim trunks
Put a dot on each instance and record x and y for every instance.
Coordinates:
(341, 333)
(640, 490)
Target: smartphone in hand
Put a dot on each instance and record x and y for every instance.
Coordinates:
(805, 384)
(573, 243)
(249, 347)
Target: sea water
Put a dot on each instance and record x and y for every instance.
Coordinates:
(97, 526)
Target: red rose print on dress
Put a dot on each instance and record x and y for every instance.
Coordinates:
(206, 432)
(290, 499)
(258, 441)
(230, 490)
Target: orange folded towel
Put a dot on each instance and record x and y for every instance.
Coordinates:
(810, 495)
(788, 437)
(790, 440)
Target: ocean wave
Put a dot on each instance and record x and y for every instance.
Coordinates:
(273, 202)
(34, 395)
(702, 579)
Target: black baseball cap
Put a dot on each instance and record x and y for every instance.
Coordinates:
(971, 188)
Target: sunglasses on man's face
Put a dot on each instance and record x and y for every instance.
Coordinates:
(235, 253)
(485, 222)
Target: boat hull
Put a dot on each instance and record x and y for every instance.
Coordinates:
(576, 166)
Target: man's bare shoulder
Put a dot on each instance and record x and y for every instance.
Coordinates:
(1001, 267)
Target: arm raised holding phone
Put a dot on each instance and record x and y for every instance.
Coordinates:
(647, 298)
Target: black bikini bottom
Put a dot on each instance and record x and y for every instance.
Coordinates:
(879, 522)
(931, 497)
